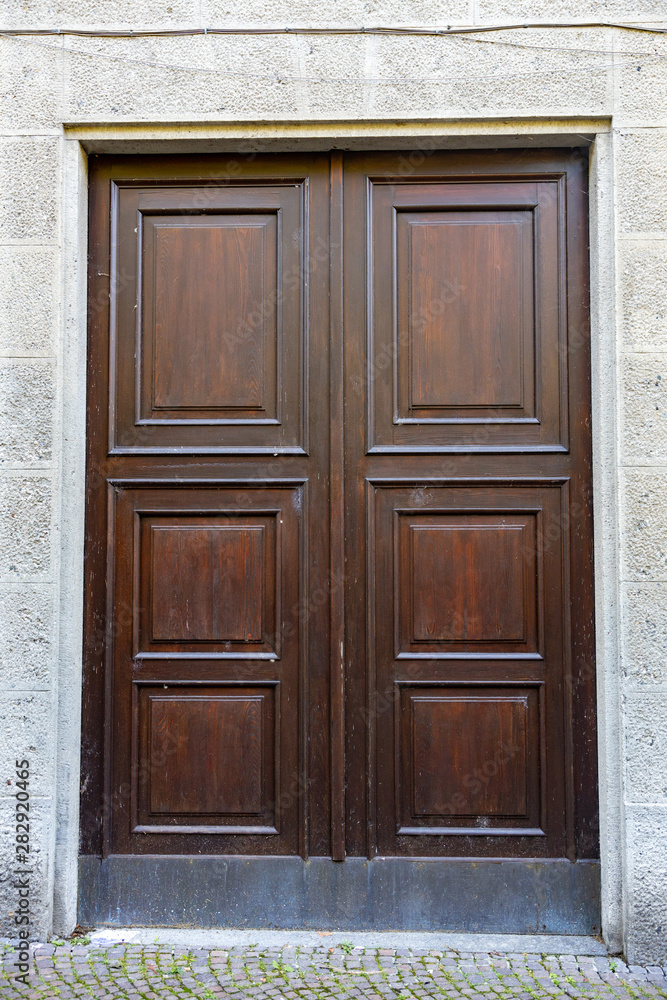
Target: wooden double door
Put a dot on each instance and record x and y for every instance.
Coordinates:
(339, 561)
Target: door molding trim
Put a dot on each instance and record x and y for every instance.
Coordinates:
(292, 136)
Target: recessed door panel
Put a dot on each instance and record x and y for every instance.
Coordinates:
(209, 330)
(468, 760)
(464, 279)
(208, 582)
(225, 734)
(466, 582)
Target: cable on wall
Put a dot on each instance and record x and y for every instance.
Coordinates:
(377, 30)
(629, 58)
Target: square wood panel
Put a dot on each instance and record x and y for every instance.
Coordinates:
(208, 322)
(205, 757)
(467, 324)
(466, 582)
(469, 760)
(208, 583)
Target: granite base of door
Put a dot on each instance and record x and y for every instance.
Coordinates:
(518, 897)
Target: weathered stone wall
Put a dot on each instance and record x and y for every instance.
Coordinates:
(445, 86)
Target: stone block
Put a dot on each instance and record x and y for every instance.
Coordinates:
(643, 277)
(100, 13)
(25, 527)
(29, 195)
(343, 13)
(331, 66)
(462, 76)
(27, 732)
(27, 300)
(27, 637)
(641, 78)
(644, 526)
(39, 867)
(181, 78)
(641, 170)
(26, 412)
(645, 726)
(646, 845)
(30, 82)
(644, 633)
(644, 409)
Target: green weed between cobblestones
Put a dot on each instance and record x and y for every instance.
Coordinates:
(135, 972)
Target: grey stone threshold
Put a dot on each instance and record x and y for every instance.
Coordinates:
(537, 944)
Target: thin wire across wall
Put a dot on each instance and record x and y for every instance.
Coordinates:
(377, 30)
(618, 59)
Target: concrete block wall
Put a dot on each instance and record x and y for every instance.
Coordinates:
(30, 336)
(141, 87)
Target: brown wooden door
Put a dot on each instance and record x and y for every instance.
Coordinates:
(339, 582)
(208, 504)
(468, 507)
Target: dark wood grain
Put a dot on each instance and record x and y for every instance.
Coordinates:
(216, 736)
(337, 511)
(248, 571)
(488, 743)
(212, 313)
(208, 328)
(464, 580)
(464, 278)
(465, 312)
(206, 583)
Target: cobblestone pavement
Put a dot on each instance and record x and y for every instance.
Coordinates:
(147, 972)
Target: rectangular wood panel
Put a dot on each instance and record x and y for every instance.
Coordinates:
(483, 602)
(209, 321)
(215, 765)
(465, 315)
(464, 286)
(207, 581)
(210, 313)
